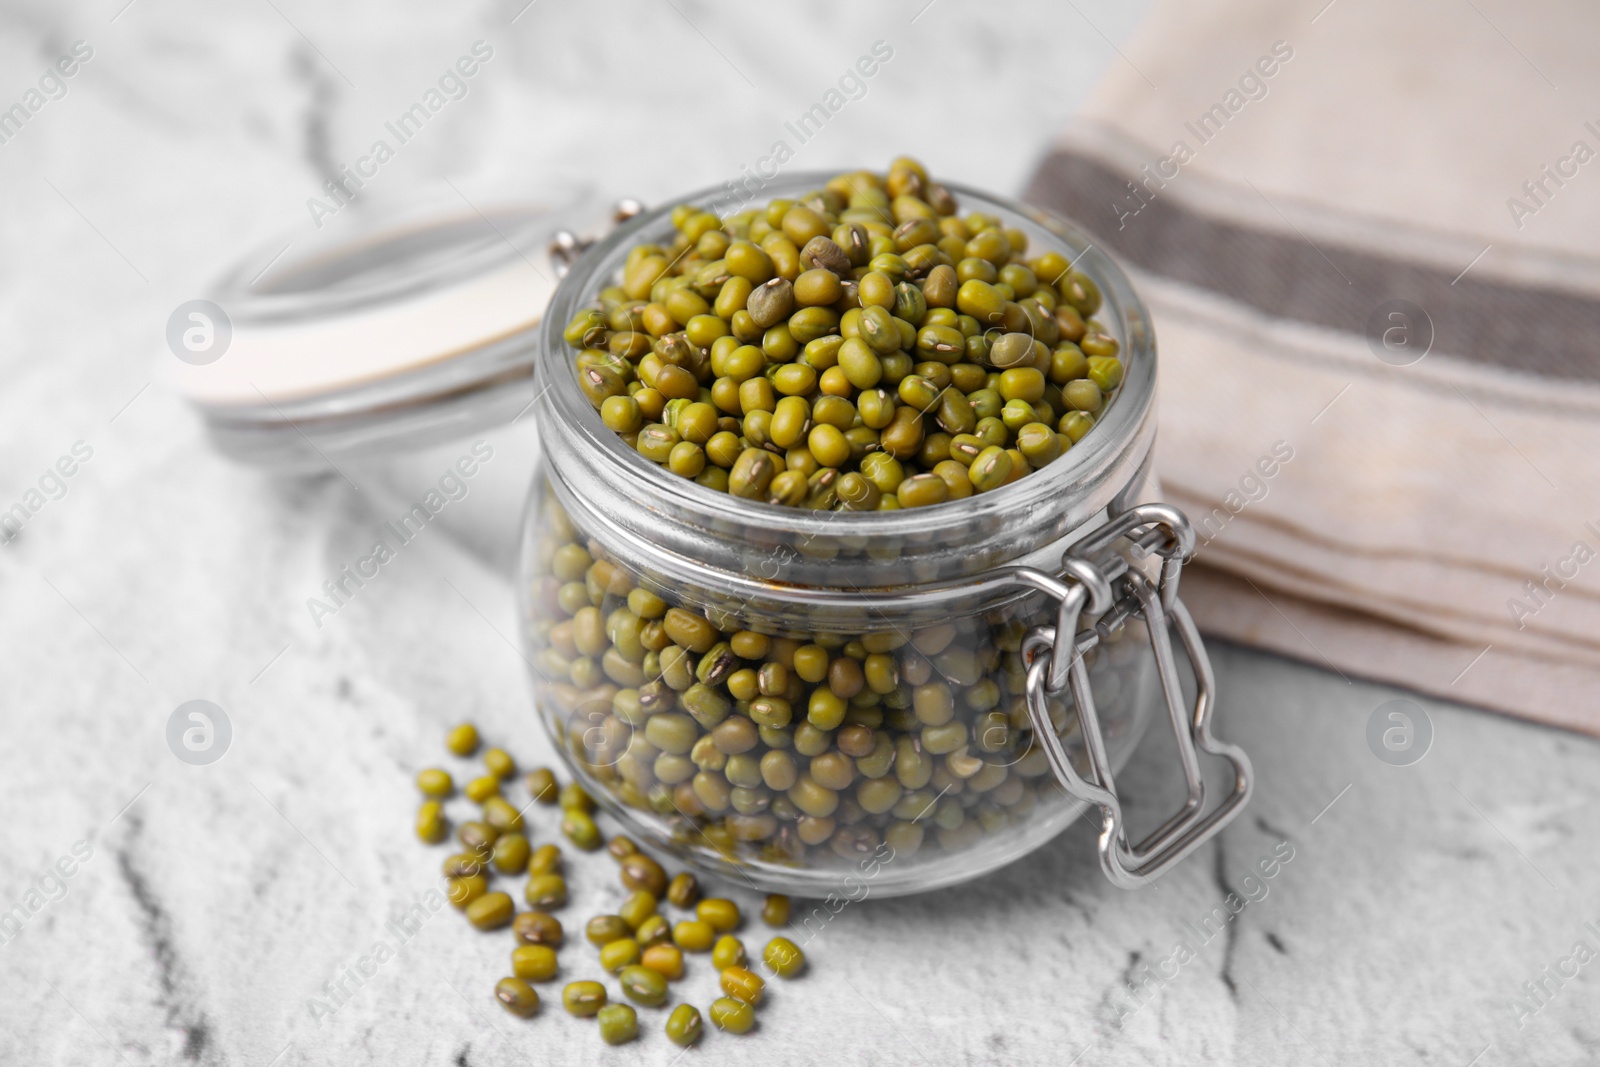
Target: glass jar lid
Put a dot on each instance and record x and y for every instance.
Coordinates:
(392, 327)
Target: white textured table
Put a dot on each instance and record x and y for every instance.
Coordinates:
(215, 902)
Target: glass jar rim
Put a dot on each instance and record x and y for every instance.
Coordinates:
(1099, 465)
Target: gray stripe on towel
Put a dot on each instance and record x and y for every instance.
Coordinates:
(1538, 331)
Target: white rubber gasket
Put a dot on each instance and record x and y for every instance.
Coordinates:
(289, 361)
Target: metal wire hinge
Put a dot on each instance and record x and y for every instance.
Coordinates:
(566, 246)
(1097, 582)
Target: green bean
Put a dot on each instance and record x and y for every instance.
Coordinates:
(684, 1026)
(640, 872)
(431, 824)
(1082, 395)
(694, 935)
(743, 984)
(734, 1016)
(463, 739)
(583, 999)
(775, 910)
(623, 952)
(534, 963)
(643, 986)
(477, 836)
(511, 853)
(683, 891)
(490, 911)
(573, 797)
(435, 783)
(499, 813)
(517, 996)
(637, 908)
(537, 928)
(545, 891)
(580, 829)
(727, 952)
(653, 931)
(784, 957)
(619, 1024)
(465, 864)
(604, 929)
(546, 859)
(499, 763)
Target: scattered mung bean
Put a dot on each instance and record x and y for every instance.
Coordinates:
(491, 911)
(535, 963)
(734, 1016)
(546, 859)
(665, 960)
(545, 891)
(517, 996)
(499, 813)
(639, 871)
(693, 935)
(541, 785)
(655, 930)
(463, 891)
(499, 763)
(642, 985)
(511, 853)
(637, 908)
(583, 999)
(683, 891)
(538, 928)
(579, 828)
(604, 929)
(435, 783)
(720, 914)
(462, 740)
(623, 952)
(684, 1026)
(740, 983)
(727, 952)
(431, 824)
(619, 1023)
(784, 957)
(775, 910)
(477, 836)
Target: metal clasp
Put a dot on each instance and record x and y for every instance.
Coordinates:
(566, 246)
(1097, 582)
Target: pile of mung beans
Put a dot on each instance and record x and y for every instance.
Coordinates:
(638, 945)
(865, 347)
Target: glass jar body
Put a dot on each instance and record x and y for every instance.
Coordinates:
(823, 699)
(818, 746)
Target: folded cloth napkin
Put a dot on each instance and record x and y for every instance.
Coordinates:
(1369, 235)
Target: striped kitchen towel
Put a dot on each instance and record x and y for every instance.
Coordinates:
(1370, 239)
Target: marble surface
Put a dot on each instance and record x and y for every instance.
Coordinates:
(208, 905)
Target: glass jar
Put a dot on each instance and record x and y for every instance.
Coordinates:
(819, 698)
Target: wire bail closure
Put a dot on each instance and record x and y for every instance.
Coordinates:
(1097, 582)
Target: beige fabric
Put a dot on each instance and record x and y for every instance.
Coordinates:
(1384, 158)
